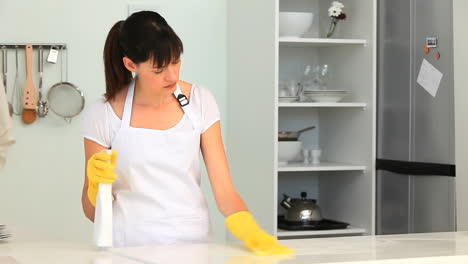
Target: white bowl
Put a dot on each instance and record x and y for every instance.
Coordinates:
(288, 151)
(326, 92)
(294, 24)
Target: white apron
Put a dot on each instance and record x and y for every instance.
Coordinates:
(158, 199)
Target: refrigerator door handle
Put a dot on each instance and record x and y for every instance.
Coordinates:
(416, 168)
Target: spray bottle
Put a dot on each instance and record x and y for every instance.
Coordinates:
(103, 215)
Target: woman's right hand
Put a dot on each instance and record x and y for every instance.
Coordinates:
(243, 226)
(100, 169)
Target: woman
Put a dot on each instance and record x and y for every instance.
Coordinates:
(158, 124)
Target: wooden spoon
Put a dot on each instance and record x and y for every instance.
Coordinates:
(29, 92)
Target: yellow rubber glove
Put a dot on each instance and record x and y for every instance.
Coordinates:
(99, 170)
(243, 226)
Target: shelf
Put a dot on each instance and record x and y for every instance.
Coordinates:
(318, 42)
(358, 105)
(347, 231)
(323, 166)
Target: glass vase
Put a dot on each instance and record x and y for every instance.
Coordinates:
(333, 25)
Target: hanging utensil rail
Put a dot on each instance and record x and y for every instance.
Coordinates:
(35, 45)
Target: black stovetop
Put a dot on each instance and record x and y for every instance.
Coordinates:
(325, 224)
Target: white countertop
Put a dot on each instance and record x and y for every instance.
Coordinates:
(431, 248)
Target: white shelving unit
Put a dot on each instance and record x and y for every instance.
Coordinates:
(337, 232)
(258, 59)
(318, 42)
(323, 166)
(331, 105)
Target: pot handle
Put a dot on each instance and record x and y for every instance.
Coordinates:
(304, 130)
(285, 203)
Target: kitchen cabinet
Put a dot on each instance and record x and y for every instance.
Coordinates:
(258, 59)
(460, 57)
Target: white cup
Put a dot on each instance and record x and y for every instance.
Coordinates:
(315, 154)
(293, 88)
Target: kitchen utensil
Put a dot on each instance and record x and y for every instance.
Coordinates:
(5, 83)
(3, 233)
(17, 94)
(315, 78)
(306, 155)
(53, 54)
(288, 99)
(301, 210)
(327, 92)
(42, 105)
(293, 88)
(325, 96)
(310, 80)
(324, 75)
(292, 136)
(29, 92)
(283, 93)
(103, 214)
(283, 89)
(4, 237)
(288, 151)
(294, 24)
(316, 154)
(65, 98)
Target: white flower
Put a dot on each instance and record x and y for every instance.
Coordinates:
(337, 4)
(334, 11)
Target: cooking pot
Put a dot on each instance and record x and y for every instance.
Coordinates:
(301, 210)
(292, 136)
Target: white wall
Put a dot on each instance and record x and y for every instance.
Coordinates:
(40, 187)
(460, 54)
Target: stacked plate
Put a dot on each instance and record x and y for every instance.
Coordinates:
(288, 99)
(3, 233)
(328, 96)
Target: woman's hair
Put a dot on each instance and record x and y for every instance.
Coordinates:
(142, 36)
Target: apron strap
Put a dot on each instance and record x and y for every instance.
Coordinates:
(188, 108)
(127, 113)
(183, 101)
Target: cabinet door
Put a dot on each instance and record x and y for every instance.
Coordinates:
(413, 126)
(393, 203)
(433, 197)
(394, 80)
(433, 117)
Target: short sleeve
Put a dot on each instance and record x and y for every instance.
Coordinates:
(209, 108)
(96, 125)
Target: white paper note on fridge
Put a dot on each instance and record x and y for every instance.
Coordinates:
(429, 77)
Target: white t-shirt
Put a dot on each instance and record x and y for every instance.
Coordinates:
(101, 123)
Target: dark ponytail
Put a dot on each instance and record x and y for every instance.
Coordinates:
(117, 76)
(143, 36)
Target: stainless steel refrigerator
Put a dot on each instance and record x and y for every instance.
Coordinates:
(415, 155)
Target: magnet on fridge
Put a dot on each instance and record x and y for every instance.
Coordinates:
(437, 55)
(426, 49)
(431, 42)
